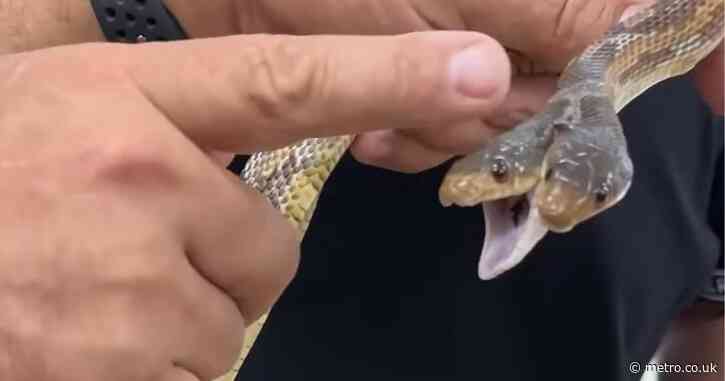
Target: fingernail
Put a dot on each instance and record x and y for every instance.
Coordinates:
(476, 72)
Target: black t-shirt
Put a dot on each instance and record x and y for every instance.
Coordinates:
(387, 288)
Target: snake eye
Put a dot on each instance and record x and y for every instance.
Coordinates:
(601, 194)
(500, 170)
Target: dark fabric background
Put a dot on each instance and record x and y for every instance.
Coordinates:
(387, 288)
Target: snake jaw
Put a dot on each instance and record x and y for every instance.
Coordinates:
(472, 188)
(561, 207)
(513, 229)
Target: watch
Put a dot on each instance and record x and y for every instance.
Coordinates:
(136, 21)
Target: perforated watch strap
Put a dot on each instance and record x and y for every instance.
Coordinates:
(135, 21)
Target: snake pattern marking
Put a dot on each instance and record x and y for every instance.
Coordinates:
(563, 166)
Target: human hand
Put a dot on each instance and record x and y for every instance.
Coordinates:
(128, 254)
(541, 37)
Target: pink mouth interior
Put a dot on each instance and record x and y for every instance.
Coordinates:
(512, 231)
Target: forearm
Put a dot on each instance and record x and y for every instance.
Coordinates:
(28, 25)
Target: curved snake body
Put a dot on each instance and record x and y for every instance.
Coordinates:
(561, 167)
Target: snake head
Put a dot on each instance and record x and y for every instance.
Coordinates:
(509, 166)
(585, 174)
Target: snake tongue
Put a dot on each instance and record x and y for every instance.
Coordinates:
(512, 231)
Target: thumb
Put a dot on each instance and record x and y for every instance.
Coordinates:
(248, 93)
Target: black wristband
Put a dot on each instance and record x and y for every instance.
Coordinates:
(135, 21)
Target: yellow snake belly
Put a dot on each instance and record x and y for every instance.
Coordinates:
(291, 178)
(665, 40)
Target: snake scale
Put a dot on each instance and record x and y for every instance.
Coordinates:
(561, 167)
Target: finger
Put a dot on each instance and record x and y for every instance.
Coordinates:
(238, 241)
(527, 97)
(457, 140)
(246, 93)
(178, 374)
(223, 159)
(210, 330)
(416, 150)
(709, 79)
(396, 152)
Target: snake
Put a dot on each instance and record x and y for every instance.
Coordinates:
(561, 167)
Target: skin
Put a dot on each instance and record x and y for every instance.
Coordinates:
(542, 38)
(181, 218)
(123, 242)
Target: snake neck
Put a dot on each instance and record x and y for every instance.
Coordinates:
(658, 43)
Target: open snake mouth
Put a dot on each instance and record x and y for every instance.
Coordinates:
(513, 228)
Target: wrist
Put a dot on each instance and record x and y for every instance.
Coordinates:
(30, 25)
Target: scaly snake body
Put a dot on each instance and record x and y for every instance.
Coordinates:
(561, 167)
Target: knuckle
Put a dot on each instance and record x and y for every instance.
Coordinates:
(126, 162)
(287, 79)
